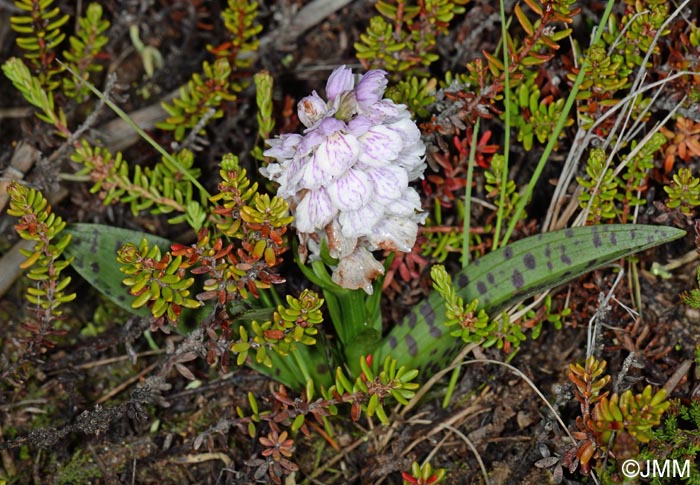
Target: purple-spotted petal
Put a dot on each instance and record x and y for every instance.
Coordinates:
(314, 211)
(371, 88)
(380, 145)
(311, 109)
(340, 80)
(351, 191)
(337, 154)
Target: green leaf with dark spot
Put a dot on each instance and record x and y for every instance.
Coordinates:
(509, 275)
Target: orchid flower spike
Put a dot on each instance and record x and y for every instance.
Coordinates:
(346, 178)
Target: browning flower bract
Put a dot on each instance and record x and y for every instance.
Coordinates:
(346, 178)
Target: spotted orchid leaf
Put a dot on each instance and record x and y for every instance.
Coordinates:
(508, 276)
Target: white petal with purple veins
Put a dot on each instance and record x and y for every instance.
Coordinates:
(412, 155)
(311, 176)
(351, 191)
(311, 140)
(329, 126)
(359, 222)
(413, 163)
(359, 125)
(407, 129)
(295, 173)
(346, 179)
(380, 146)
(314, 211)
(337, 154)
(416, 171)
(384, 110)
(389, 182)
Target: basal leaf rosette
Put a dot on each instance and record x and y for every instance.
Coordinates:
(346, 178)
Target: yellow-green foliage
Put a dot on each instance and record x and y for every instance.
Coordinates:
(535, 117)
(32, 90)
(200, 100)
(159, 281)
(641, 24)
(684, 191)
(263, 99)
(84, 48)
(291, 325)
(613, 196)
(600, 187)
(240, 20)
(540, 42)
(416, 93)
(404, 36)
(636, 414)
(235, 191)
(471, 325)
(423, 475)
(162, 189)
(44, 262)
(614, 60)
(39, 36)
(616, 423)
(636, 172)
(493, 184)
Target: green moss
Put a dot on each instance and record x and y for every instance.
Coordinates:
(80, 469)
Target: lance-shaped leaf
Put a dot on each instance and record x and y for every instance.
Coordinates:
(509, 275)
